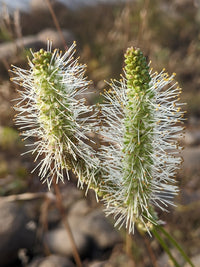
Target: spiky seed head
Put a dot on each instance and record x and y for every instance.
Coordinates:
(141, 123)
(51, 108)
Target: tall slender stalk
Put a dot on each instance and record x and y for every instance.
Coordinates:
(56, 23)
(150, 251)
(65, 223)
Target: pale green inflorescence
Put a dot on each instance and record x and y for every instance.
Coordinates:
(142, 118)
(54, 115)
(51, 108)
(138, 132)
(46, 98)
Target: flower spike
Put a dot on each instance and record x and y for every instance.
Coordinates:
(51, 109)
(142, 116)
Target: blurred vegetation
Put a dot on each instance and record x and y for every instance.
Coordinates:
(13, 174)
(168, 32)
(9, 138)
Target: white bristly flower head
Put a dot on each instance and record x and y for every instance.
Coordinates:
(51, 110)
(142, 122)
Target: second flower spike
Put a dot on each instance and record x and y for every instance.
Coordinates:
(142, 122)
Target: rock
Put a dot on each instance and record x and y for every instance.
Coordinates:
(97, 227)
(70, 194)
(58, 242)
(191, 138)
(53, 35)
(194, 121)
(189, 196)
(98, 264)
(73, 196)
(195, 260)
(38, 5)
(80, 208)
(15, 232)
(165, 261)
(191, 157)
(51, 261)
(10, 49)
(184, 4)
(88, 227)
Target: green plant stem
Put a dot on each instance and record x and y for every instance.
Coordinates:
(165, 247)
(173, 241)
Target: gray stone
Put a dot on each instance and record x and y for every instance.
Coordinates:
(189, 196)
(70, 195)
(58, 242)
(97, 227)
(73, 196)
(195, 260)
(194, 121)
(51, 261)
(15, 232)
(54, 36)
(38, 5)
(80, 208)
(165, 261)
(10, 49)
(191, 138)
(191, 157)
(98, 264)
(101, 230)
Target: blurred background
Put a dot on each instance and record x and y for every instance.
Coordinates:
(168, 33)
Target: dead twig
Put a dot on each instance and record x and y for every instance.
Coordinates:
(28, 196)
(150, 251)
(56, 23)
(66, 224)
